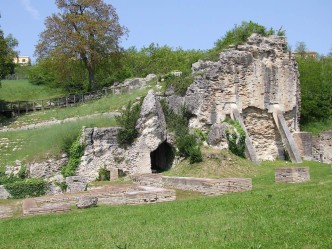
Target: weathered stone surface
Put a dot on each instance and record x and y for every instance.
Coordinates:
(87, 202)
(76, 183)
(54, 183)
(303, 141)
(6, 211)
(322, 147)
(4, 194)
(254, 76)
(47, 168)
(206, 186)
(217, 136)
(13, 170)
(103, 151)
(110, 195)
(292, 174)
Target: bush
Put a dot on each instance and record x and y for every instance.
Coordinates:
(127, 120)
(103, 174)
(187, 144)
(179, 84)
(27, 188)
(236, 138)
(75, 153)
(189, 148)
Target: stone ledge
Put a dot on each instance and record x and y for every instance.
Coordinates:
(207, 186)
(292, 174)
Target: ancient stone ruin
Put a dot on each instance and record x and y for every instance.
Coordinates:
(256, 84)
(292, 174)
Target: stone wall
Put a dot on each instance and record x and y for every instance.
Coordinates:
(292, 174)
(103, 151)
(254, 77)
(206, 186)
(317, 148)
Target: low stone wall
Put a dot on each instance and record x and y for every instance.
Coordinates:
(6, 211)
(206, 186)
(31, 207)
(111, 195)
(292, 174)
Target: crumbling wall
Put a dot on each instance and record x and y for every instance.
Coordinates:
(255, 77)
(103, 151)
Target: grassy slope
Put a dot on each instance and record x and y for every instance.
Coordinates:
(41, 143)
(14, 90)
(270, 216)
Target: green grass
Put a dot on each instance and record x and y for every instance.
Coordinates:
(49, 141)
(317, 127)
(22, 90)
(105, 104)
(272, 215)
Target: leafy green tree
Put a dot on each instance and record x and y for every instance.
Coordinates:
(7, 54)
(316, 88)
(240, 34)
(301, 49)
(88, 31)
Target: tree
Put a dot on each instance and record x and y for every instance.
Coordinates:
(85, 30)
(7, 54)
(301, 49)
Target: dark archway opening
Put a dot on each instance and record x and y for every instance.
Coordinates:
(162, 158)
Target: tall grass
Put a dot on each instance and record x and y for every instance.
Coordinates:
(23, 90)
(272, 215)
(45, 142)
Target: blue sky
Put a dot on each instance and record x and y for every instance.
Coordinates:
(189, 24)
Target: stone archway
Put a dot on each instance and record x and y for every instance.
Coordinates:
(162, 158)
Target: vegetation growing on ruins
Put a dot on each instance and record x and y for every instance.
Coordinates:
(236, 138)
(187, 142)
(127, 120)
(239, 35)
(75, 153)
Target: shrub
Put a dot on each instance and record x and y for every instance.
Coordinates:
(236, 138)
(75, 153)
(26, 188)
(103, 174)
(179, 84)
(127, 120)
(187, 144)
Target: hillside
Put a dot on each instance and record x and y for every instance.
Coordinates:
(53, 138)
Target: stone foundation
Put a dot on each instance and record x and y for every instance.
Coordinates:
(292, 174)
(111, 195)
(206, 186)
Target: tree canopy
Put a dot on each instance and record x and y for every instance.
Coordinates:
(85, 30)
(7, 54)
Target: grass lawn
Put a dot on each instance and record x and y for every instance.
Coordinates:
(15, 90)
(272, 215)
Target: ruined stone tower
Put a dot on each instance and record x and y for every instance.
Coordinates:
(257, 84)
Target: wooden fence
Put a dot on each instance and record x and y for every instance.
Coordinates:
(18, 107)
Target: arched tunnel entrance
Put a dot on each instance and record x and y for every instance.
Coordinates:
(162, 158)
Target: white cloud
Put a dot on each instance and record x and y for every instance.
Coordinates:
(32, 10)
